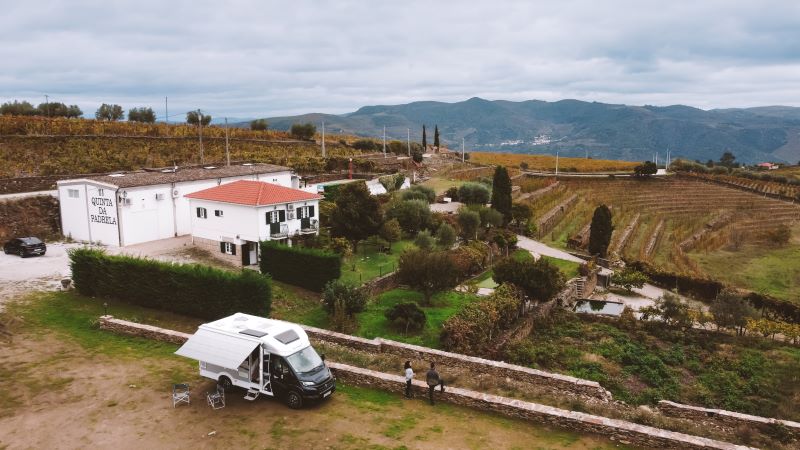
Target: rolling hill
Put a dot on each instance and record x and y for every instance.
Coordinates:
(577, 128)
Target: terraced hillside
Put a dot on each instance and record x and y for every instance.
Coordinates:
(687, 226)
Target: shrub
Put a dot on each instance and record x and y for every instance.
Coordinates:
(413, 215)
(419, 192)
(309, 268)
(452, 193)
(445, 236)
(353, 299)
(304, 132)
(473, 328)
(427, 272)
(469, 221)
(259, 125)
(189, 289)
(476, 193)
(539, 280)
(424, 240)
(406, 316)
(779, 236)
(366, 145)
(629, 278)
(341, 246)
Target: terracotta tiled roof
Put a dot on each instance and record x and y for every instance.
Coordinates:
(253, 193)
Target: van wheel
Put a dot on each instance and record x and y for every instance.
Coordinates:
(294, 400)
(224, 382)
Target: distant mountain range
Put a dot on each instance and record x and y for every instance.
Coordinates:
(577, 128)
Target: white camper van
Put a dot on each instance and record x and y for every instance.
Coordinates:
(264, 356)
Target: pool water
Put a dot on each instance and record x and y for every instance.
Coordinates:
(599, 307)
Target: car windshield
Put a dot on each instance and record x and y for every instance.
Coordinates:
(31, 240)
(305, 360)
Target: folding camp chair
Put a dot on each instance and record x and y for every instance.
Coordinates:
(216, 399)
(180, 394)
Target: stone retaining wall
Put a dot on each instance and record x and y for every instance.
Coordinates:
(728, 419)
(618, 430)
(109, 323)
(473, 364)
(380, 285)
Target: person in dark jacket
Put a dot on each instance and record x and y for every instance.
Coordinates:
(433, 379)
(409, 372)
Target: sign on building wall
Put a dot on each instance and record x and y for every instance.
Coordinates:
(102, 209)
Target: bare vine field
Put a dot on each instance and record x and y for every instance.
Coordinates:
(688, 226)
(547, 163)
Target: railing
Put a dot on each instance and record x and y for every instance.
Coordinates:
(284, 232)
(313, 227)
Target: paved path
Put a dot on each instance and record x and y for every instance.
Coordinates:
(20, 195)
(538, 249)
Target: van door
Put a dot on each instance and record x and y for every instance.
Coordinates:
(281, 376)
(266, 379)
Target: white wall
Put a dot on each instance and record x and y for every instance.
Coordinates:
(92, 216)
(146, 218)
(236, 220)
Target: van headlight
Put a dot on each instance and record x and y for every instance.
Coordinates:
(308, 383)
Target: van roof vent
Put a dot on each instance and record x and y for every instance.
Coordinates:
(254, 333)
(287, 337)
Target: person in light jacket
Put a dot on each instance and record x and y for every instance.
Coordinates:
(433, 379)
(409, 377)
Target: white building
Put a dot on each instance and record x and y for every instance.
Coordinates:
(231, 219)
(129, 208)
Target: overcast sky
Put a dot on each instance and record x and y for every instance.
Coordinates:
(267, 58)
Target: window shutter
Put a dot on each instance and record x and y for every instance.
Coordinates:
(268, 219)
(222, 247)
(198, 212)
(281, 216)
(233, 249)
(310, 211)
(299, 213)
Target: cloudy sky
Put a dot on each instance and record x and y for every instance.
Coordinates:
(267, 58)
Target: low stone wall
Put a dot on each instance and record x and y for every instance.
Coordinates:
(380, 285)
(473, 364)
(618, 430)
(212, 247)
(729, 419)
(109, 323)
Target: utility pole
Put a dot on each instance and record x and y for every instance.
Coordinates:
(384, 141)
(200, 125)
(166, 110)
(556, 162)
(462, 149)
(323, 138)
(227, 149)
(47, 104)
(408, 140)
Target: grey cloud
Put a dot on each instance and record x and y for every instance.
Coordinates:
(272, 58)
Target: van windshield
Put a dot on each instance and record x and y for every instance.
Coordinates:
(305, 360)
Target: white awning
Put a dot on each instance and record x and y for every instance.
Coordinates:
(217, 348)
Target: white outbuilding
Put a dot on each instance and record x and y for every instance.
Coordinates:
(128, 208)
(231, 219)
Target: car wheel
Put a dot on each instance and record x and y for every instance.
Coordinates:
(225, 383)
(294, 400)
(22, 253)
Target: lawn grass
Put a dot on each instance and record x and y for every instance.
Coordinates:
(294, 304)
(69, 313)
(772, 271)
(369, 263)
(568, 268)
(440, 184)
(372, 322)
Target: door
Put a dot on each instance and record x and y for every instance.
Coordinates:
(253, 253)
(305, 223)
(275, 228)
(281, 376)
(265, 373)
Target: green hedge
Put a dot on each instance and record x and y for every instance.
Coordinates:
(305, 267)
(189, 289)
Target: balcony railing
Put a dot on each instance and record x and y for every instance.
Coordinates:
(312, 227)
(282, 233)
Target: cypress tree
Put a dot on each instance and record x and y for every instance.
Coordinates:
(436, 136)
(600, 231)
(424, 140)
(501, 193)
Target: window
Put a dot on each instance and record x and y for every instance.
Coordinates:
(218, 212)
(228, 248)
(73, 193)
(304, 212)
(202, 213)
(276, 216)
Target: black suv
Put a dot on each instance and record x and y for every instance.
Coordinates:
(26, 246)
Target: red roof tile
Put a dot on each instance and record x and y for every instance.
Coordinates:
(253, 193)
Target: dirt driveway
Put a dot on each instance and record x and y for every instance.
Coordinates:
(55, 393)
